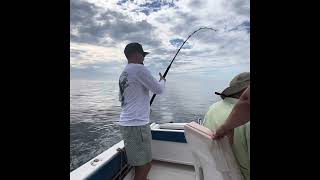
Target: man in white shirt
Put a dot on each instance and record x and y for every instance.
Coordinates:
(135, 82)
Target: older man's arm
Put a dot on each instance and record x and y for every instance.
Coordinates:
(239, 115)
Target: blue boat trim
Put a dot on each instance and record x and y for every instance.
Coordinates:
(112, 168)
(169, 136)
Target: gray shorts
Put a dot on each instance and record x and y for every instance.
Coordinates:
(137, 141)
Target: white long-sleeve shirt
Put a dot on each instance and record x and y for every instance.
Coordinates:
(135, 82)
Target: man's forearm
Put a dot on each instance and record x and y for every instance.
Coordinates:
(240, 113)
(238, 116)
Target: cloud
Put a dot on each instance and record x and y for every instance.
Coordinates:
(100, 30)
(84, 55)
(245, 25)
(91, 24)
(240, 7)
(82, 15)
(148, 7)
(178, 42)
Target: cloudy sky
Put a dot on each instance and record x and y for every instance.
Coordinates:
(100, 29)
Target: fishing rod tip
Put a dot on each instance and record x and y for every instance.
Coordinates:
(208, 28)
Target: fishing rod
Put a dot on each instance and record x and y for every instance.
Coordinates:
(167, 70)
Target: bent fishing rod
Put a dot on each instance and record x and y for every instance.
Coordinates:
(167, 70)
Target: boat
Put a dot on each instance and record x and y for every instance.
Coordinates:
(173, 157)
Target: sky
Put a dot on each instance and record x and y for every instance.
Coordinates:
(100, 29)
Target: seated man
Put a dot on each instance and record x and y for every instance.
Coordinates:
(219, 112)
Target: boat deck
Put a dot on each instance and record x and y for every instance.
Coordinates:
(169, 171)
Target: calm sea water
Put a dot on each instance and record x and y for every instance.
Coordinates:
(95, 109)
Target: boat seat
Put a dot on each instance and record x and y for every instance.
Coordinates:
(213, 159)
